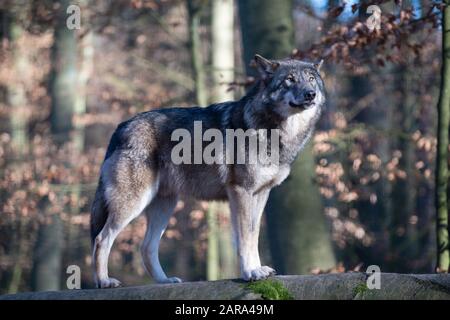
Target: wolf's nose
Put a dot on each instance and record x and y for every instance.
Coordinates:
(309, 95)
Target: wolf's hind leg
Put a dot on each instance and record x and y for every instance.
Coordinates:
(116, 222)
(128, 190)
(158, 214)
(102, 248)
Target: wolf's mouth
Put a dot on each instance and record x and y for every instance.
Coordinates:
(303, 105)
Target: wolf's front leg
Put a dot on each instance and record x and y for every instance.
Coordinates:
(246, 211)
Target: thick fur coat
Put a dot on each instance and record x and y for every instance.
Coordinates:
(139, 174)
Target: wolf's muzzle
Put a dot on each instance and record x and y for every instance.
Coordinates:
(307, 101)
(302, 105)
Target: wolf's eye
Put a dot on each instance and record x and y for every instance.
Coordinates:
(289, 80)
(311, 79)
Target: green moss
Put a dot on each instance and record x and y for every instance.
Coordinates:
(362, 292)
(270, 289)
(360, 289)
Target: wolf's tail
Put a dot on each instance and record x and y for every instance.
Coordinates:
(99, 211)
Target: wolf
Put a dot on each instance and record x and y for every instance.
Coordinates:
(138, 174)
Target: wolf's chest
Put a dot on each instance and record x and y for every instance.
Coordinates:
(270, 176)
(295, 134)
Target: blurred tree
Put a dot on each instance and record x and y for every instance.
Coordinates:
(442, 148)
(64, 78)
(84, 72)
(16, 96)
(222, 33)
(374, 202)
(404, 187)
(298, 236)
(13, 18)
(195, 10)
(64, 83)
(186, 265)
(404, 242)
(47, 257)
(212, 254)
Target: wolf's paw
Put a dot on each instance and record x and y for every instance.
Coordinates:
(171, 280)
(258, 273)
(269, 270)
(108, 283)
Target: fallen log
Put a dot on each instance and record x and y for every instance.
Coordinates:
(342, 286)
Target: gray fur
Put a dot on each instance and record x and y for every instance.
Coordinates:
(138, 174)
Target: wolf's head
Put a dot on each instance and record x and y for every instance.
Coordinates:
(290, 86)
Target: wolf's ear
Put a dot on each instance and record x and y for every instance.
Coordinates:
(265, 67)
(318, 65)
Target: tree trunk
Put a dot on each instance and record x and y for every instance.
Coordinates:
(20, 249)
(222, 33)
(85, 72)
(222, 48)
(298, 237)
(267, 29)
(442, 148)
(64, 78)
(374, 202)
(86, 67)
(406, 245)
(212, 255)
(13, 17)
(227, 248)
(404, 240)
(16, 94)
(47, 263)
(195, 8)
